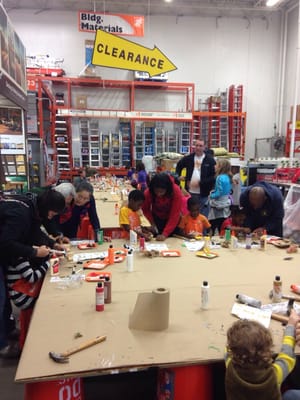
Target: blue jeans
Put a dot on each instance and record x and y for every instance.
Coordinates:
(291, 395)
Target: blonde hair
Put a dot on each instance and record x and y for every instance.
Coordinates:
(224, 167)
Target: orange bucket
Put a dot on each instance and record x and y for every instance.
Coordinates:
(65, 389)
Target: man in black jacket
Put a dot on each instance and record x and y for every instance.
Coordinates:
(200, 174)
(22, 237)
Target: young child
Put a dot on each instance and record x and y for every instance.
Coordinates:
(219, 200)
(24, 282)
(251, 372)
(131, 214)
(235, 222)
(193, 224)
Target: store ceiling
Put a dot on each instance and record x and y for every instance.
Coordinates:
(152, 7)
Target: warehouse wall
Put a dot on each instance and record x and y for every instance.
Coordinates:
(211, 52)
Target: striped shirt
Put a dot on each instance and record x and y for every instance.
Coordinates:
(25, 271)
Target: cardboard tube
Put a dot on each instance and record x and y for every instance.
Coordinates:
(151, 311)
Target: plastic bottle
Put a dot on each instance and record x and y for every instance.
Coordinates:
(295, 289)
(248, 241)
(132, 238)
(207, 243)
(250, 301)
(142, 243)
(234, 241)
(227, 235)
(107, 290)
(116, 209)
(129, 261)
(100, 236)
(54, 265)
(277, 289)
(205, 295)
(100, 296)
(263, 241)
(111, 255)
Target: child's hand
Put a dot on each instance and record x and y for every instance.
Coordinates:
(293, 318)
(42, 251)
(160, 238)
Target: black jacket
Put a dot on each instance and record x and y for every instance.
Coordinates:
(19, 231)
(207, 172)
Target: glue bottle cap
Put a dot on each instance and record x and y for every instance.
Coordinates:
(100, 284)
(277, 278)
(205, 283)
(110, 246)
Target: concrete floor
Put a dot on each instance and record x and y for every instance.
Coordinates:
(10, 390)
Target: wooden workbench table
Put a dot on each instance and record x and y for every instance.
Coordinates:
(193, 336)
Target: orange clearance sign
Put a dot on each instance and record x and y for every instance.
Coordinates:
(130, 25)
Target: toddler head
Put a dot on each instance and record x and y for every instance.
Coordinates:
(135, 199)
(193, 207)
(249, 344)
(238, 215)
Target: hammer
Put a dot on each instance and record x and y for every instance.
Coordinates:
(64, 357)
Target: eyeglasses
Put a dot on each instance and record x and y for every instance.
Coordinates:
(81, 197)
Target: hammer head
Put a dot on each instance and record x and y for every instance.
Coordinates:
(58, 357)
(290, 306)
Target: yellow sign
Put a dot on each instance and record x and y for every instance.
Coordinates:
(116, 52)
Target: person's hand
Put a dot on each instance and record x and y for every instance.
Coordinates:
(60, 247)
(298, 333)
(160, 238)
(42, 251)
(294, 318)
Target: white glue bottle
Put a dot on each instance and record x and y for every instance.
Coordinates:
(129, 264)
(277, 289)
(204, 295)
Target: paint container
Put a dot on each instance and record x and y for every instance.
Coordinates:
(233, 241)
(227, 235)
(207, 243)
(277, 289)
(263, 241)
(142, 243)
(295, 289)
(100, 296)
(111, 255)
(107, 290)
(54, 266)
(249, 301)
(129, 261)
(132, 238)
(248, 241)
(100, 236)
(205, 295)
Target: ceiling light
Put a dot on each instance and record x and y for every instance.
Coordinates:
(168, 1)
(271, 3)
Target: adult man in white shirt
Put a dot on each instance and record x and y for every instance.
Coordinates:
(200, 174)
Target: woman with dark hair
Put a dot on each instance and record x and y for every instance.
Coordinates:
(162, 205)
(22, 242)
(83, 206)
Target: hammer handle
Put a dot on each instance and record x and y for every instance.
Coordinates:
(280, 318)
(84, 345)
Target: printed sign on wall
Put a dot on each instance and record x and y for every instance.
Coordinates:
(130, 25)
(116, 52)
(12, 139)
